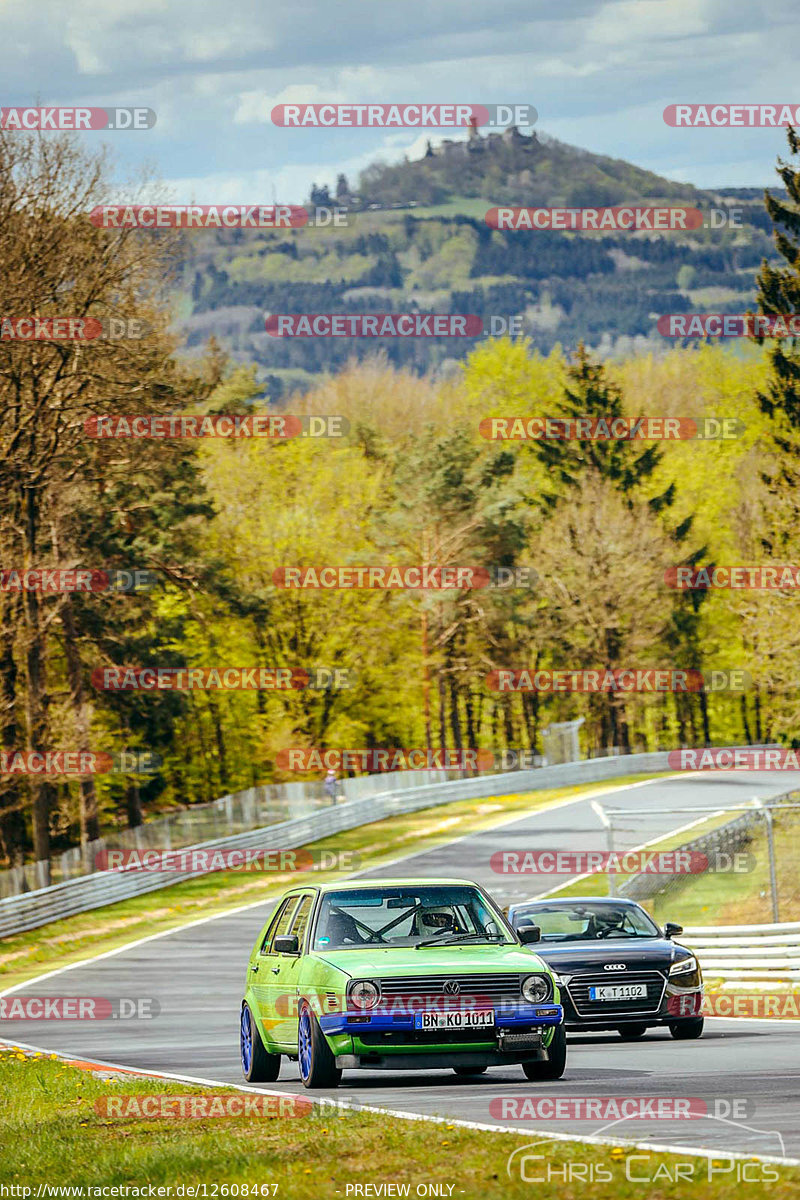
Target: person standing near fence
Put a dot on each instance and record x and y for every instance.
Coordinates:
(331, 785)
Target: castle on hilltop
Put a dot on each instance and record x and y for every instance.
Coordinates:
(475, 144)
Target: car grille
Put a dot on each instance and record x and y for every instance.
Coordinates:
(426, 1037)
(494, 988)
(578, 989)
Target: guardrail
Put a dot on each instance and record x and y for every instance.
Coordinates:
(36, 908)
(747, 954)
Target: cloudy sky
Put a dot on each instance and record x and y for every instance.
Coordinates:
(599, 72)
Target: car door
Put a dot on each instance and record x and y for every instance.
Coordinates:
(285, 971)
(262, 965)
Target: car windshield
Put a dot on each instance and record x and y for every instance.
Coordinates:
(587, 922)
(410, 915)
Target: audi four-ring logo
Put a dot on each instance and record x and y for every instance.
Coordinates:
(452, 988)
(615, 967)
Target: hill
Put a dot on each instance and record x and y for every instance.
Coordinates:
(417, 240)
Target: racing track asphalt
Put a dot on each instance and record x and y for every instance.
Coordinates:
(196, 974)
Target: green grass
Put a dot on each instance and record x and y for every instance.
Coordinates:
(25, 955)
(52, 1134)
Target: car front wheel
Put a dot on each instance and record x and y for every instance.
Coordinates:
(257, 1065)
(556, 1061)
(317, 1063)
(684, 1030)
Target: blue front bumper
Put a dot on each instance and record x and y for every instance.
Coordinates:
(508, 1017)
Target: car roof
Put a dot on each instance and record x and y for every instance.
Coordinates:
(346, 885)
(566, 902)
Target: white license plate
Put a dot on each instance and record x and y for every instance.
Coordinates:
(454, 1020)
(619, 991)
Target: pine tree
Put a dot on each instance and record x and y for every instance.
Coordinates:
(622, 463)
(779, 291)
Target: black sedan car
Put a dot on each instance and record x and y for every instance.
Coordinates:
(617, 969)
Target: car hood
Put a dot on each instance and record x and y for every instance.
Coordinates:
(646, 955)
(432, 960)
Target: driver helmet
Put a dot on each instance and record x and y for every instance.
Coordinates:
(435, 920)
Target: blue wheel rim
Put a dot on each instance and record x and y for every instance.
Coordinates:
(304, 1044)
(246, 1040)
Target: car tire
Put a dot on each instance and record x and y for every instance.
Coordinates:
(632, 1032)
(556, 1062)
(466, 1071)
(314, 1056)
(257, 1065)
(682, 1031)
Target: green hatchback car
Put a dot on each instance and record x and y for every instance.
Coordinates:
(397, 975)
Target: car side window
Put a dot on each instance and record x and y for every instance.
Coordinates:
(300, 922)
(279, 923)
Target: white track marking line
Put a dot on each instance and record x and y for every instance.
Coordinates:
(588, 1139)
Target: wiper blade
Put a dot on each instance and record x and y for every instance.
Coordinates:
(452, 938)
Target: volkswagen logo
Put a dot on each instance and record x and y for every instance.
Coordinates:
(452, 987)
(615, 967)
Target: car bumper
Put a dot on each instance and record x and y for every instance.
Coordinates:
(675, 1005)
(520, 1016)
(389, 1041)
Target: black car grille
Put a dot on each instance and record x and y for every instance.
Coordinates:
(493, 988)
(578, 989)
(426, 1037)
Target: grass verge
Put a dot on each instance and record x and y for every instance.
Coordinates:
(25, 955)
(52, 1135)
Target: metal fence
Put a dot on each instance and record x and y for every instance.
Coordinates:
(765, 956)
(767, 830)
(366, 799)
(254, 808)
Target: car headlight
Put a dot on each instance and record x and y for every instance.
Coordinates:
(536, 989)
(684, 966)
(363, 994)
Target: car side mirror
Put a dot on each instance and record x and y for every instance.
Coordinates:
(672, 930)
(286, 945)
(529, 933)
